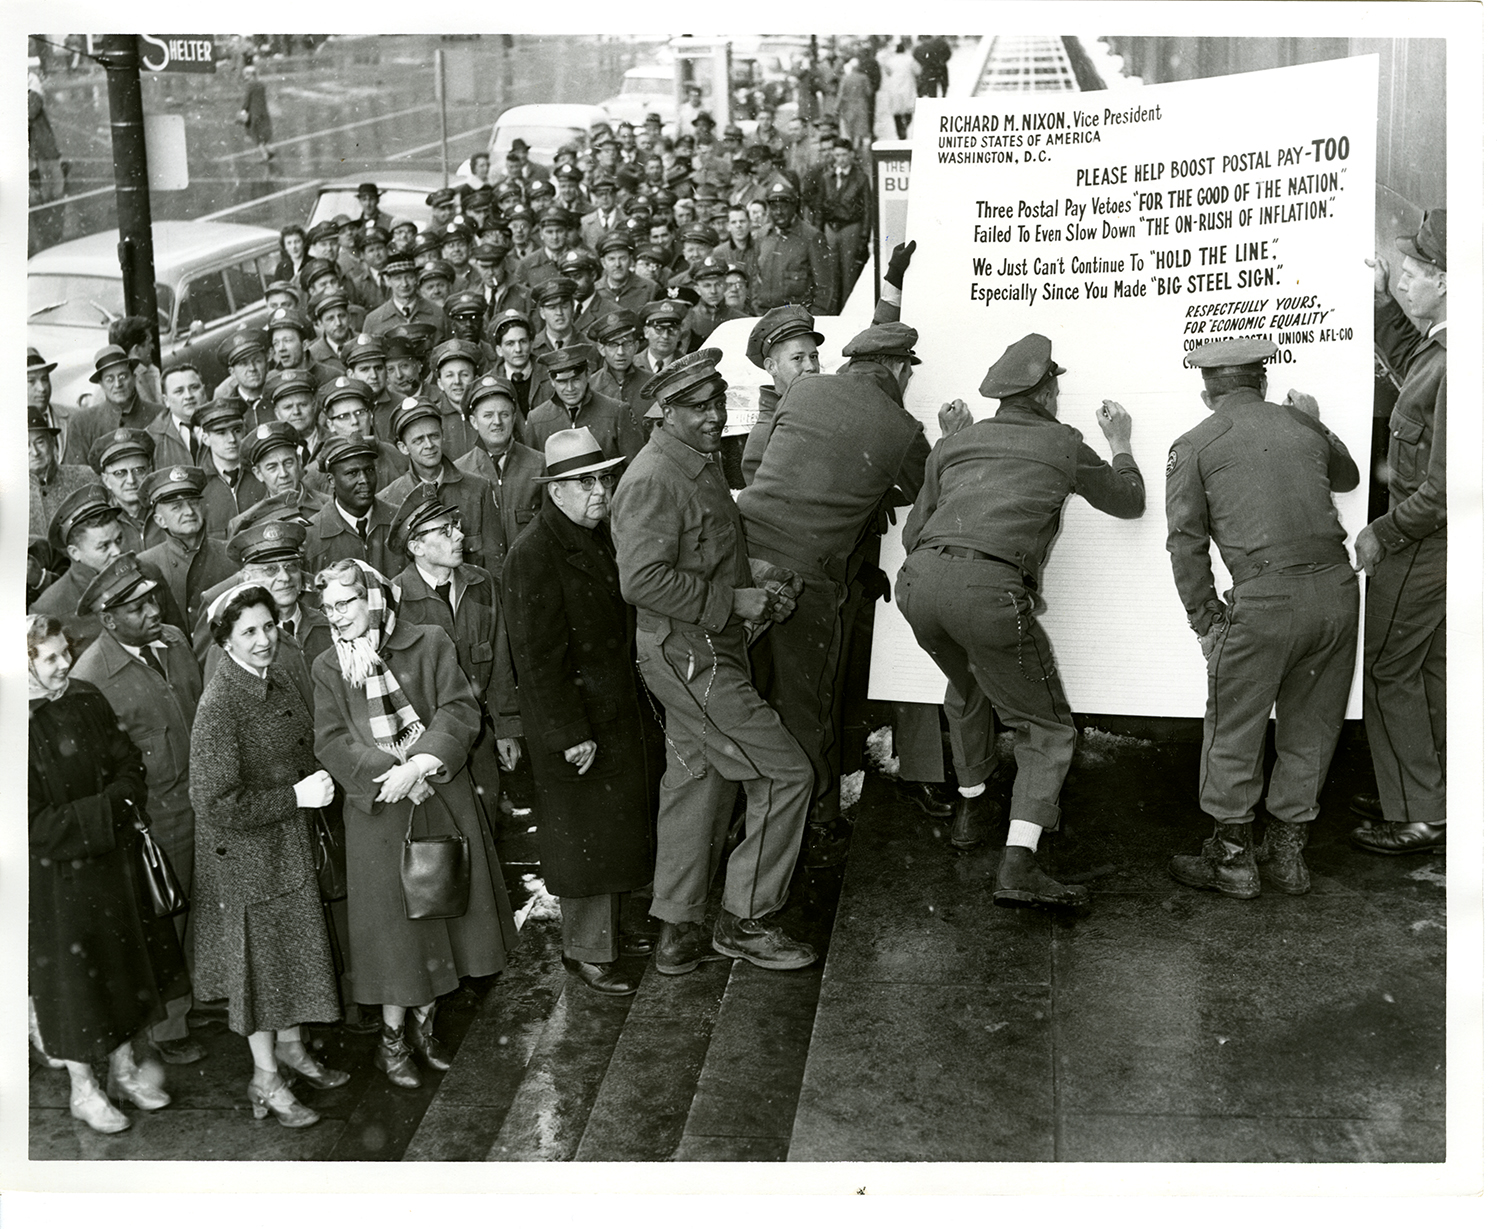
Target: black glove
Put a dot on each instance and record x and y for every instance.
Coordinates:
(875, 581)
(899, 261)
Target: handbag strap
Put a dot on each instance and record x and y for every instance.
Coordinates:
(410, 823)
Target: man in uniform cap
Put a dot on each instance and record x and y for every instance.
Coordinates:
(709, 278)
(289, 333)
(407, 347)
(85, 530)
(618, 336)
(783, 343)
(146, 670)
(418, 430)
(988, 510)
(230, 486)
(1403, 554)
(122, 459)
(684, 566)
(354, 524)
(665, 338)
(122, 406)
(793, 263)
(441, 587)
(574, 404)
(840, 199)
(334, 328)
(697, 242)
(346, 409)
(191, 560)
(435, 280)
(840, 451)
(455, 364)
(457, 250)
(274, 454)
(293, 400)
(621, 285)
(736, 286)
(582, 267)
(501, 459)
(1257, 479)
(465, 316)
(496, 280)
(443, 205)
(556, 316)
(544, 264)
(405, 304)
(50, 482)
(366, 358)
(247, 356)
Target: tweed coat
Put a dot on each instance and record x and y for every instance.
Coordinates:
(261, 941)
(99, 971)
(572, 636)
(395, 960)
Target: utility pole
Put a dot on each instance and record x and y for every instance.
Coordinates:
(120, 55)
(442, 108)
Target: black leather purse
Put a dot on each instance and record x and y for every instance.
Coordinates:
(160, 889)
(329, 856)
(435, 871)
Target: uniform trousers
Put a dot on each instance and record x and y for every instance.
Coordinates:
(719, 732)
(1291, 641)
(849, 249)
(975, 617)
(1404, 681)
(590, 926)
(173, 834)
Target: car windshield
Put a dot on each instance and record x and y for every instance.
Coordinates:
(542, 136)
(402, 204)
(82, 300)
(663, 84)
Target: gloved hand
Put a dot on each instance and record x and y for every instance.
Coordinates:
(1212, 637)
(899, 261)
(875, 581)
(767, 574)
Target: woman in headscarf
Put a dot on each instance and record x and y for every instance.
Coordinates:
(396, 720)
(100, 972)
(261, 939)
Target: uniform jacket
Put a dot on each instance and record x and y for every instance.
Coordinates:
(222, 503)
(572, 635)
(634, 295)
(606, 384)
(793, 267)
(1416, 444)
(483, 541)
(156, 712)
(679, 540)
(1256, 478)
(531, 390)
(838, 446)
(999, 485)
(189, 572)
(423, 311)
(513, 490)
(610, 421)
(330, 538)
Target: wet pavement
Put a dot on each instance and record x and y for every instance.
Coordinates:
(1160, 1024)
(358, 104)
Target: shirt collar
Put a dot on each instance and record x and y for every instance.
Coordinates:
(353, 521)
(1435, 328)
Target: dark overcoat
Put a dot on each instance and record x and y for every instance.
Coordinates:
(572, 637)
(395, 960)
(261, 941)
(99, 971)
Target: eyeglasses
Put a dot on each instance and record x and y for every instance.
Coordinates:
(663, 326)
(342, 608)
(588, 481)
(135, 471)
(453, 529)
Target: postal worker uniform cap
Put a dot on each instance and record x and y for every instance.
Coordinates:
(555, 289)
(120, 582)
(568, 358)
(287, 382)
(436, 269)
(463, 303)
(893, 340)
(615, 241)
(121, 442)
(455, 347)
(412, 410)
(692, 380)
(268, 541)
(489, 386)
(508, 318)
(420, 513)
(615, 324)
(86, 504)
(332, 299)
(289, 318)
(777, 325)
(267, 437)
(1237, 352)
(1023, 365)
(345, 388)
(364, 346)
(1428, 243)
(217, 415)
(338, 448)
(169, 483)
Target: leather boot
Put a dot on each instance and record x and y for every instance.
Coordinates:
(1226, 864)
(967, 827)
(683, 946)
(1390, 837)
(393, 1057)
(1280, 857)
(425, 1042)
(604, 978)
(759, 942)
(1021, 882)
(1368, 806)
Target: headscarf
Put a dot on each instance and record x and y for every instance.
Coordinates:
(392, 720)
(34, 688)
(220, 604)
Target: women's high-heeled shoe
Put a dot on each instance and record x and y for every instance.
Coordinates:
(90, 1106)
(268, 1094)
(309, 1068)
(393, 1057)
(425, 1042)
(128, 1080)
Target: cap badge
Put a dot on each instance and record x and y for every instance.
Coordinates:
(272, 533)
(178, 474)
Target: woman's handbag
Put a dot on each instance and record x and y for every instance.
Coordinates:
(329, 856)
(160, 888)
(435, 871)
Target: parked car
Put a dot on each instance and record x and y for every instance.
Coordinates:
(646, 88)
(545, 127)
(403, 197)
(210, 281)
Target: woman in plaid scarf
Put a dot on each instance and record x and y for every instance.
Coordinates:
(396, 720)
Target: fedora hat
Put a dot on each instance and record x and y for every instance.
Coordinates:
(570, 454)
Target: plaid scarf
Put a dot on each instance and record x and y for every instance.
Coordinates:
(392, 720)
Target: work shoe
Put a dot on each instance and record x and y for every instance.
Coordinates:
(603, 978)
(1399, 838)
(826, 844)
(1226, 864)
(1021, 882)
(758, 942)
(929, 797)
(683, 946)
(632, 943)
(1280, 858)
(180, 1052)
(393, 1057)
(967, 828)
(1368, 806)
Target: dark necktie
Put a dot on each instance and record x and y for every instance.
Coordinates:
(288, 627)
(362, 526)
(148, 655)
(444, 591)
(232, 479)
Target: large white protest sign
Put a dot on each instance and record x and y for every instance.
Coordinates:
(1130, 228)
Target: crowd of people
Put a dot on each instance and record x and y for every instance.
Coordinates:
(464, 509)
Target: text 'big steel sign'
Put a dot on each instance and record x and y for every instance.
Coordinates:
(176, 53)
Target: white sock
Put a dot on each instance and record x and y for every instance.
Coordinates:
(1022, 832)
(972, 791)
